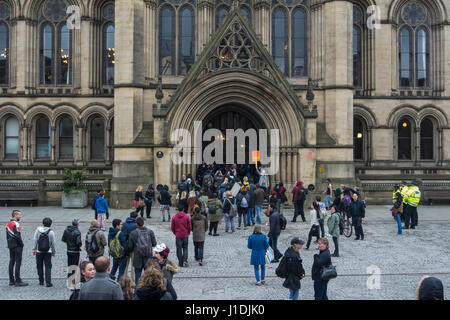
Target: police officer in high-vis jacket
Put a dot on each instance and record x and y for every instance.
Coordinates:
(412, 198)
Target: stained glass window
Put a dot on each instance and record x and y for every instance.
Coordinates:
(186, 40)
(220, 16)
(299, 40)
(422, 57)
(109, 54)
(280, 39)
(167, 41)
(405, 57)
(46, 53)
(64, 63)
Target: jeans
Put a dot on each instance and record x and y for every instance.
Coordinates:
(328, 201)
(357, 223)
(293, 294)
(258, 209)
(148, 209)
(41, 260)
(263, 272)
(273, 244)
(320, 290)
(242, 216)
(251, 216)
(120, 264)
(137, 275)
(399, 223)
(198, 250)
(182, 250)
(322, 229)
(213, 226)
(229, 221)
(72, 260)
(336, 246)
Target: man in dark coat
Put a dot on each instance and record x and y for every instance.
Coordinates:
(275, 230)
(294, 268)
(72, 237)
(356, 213)
(139, 259)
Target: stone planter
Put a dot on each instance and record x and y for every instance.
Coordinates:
(74, 200)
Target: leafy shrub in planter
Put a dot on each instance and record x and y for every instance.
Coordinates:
(73, 181)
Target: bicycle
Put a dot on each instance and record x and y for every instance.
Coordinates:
(347, 229)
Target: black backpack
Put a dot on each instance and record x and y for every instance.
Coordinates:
(43, 243)
(212, 208)
(143, 244)
(282, 270)
(283, 222)
(91, 243)
(300, 194)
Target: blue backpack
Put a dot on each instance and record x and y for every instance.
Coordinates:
(182, 186)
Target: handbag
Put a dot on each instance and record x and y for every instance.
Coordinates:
(269, 255)
(328, 272)
(141, 203)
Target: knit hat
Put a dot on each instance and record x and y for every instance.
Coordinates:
(75, 221)
(162, 249)
(338, 190)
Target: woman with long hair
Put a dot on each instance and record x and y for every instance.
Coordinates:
(138, 202)
(128, 287)
(258, 243)
(149, 195)
(152, 285)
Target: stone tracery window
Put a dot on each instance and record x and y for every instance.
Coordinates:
(109, 54)
(42, 138)
(55, 44)
(404, 136)
(66, 138)
(4, 44)
(290, 45)
(427, 139)
(357, 43)
(11, 138)
(414, 46)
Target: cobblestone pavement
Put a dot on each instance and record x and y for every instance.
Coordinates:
(226, 274)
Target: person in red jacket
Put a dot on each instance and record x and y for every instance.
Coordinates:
(181, 228)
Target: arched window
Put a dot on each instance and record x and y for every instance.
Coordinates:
(46, 53)
(4, 44)
(109, 54)
(422, 57)
(66, 138)
(358, 139)
(247, 14)
(186, 40)
(97, 139)
(55, 44)
(404, 144)
(64, 63)
(426, 140)
(42, 138)
(280, 43)
(167, 41)
(405, 57)
(299, 40)
(12, 138)
(414, 48)
(357, 44)
(221, 13)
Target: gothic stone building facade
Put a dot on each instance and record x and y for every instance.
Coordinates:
(107, 95)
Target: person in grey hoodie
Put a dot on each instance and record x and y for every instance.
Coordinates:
(44, 250)
(100, 239)
(101, 287)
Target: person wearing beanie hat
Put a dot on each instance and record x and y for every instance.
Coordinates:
(429, 288)
(291, 268)
(72, 237)
(168, 267)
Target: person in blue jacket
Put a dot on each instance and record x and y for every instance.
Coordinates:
(259, 244)
(120, 263)
(102, 210)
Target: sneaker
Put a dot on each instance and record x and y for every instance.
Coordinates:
(263, 281)
(200, 262)
(11, 283)
(21, 284)
(49, 285)
(258, 283)
(239, 228)
(185, 264)
(307, 248)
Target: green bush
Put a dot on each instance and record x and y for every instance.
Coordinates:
(73, 181)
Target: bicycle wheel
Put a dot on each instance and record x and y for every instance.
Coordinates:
(348, 230)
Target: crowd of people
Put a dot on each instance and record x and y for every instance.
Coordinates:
(201, 204)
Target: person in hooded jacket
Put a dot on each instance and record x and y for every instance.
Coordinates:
(165, 202)
(181, 228)
(168, 267)
(429, 288)
(72, 237)
(214, 218)
(152, 286)
(100, 239)
(44, 255)
(119, 263)
(127, 228)
(199, 228)
(294, 268)
(298, 199)
(149, 195)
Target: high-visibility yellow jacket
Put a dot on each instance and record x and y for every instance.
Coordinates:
(404, 191)
(394, 197)
(413, 196)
